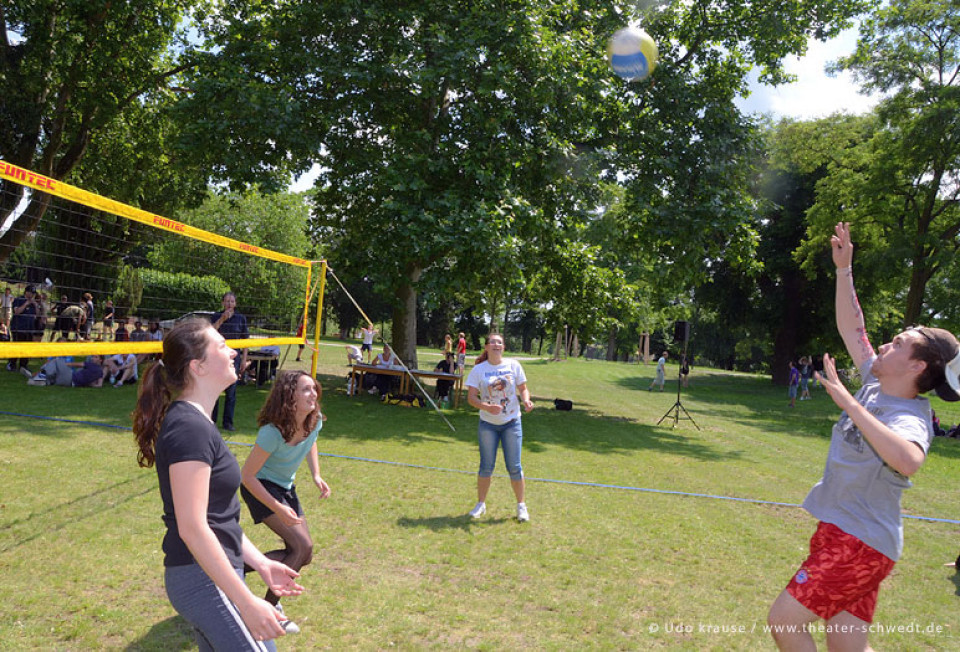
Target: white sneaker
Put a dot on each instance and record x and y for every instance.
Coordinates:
(289, 626)
(26, 372)
(479, 510)
(522, 514)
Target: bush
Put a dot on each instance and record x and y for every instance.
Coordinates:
(167, 295)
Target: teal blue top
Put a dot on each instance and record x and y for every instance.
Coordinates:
(281, 467)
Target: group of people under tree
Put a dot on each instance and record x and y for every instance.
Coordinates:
(799, 379)
(26, 319)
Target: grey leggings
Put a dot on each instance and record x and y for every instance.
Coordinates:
(216, 621)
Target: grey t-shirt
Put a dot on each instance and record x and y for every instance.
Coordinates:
(859, 493)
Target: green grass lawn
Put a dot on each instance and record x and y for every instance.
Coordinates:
(398, 564)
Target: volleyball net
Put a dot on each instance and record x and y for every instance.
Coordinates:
(89, 250)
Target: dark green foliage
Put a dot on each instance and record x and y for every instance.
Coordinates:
(170, 295)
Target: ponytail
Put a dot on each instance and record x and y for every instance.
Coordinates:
(186, 342)
(153, 399)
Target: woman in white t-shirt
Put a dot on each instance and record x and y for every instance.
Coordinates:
(493, 387)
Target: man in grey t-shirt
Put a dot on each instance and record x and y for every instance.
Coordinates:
(880, 440)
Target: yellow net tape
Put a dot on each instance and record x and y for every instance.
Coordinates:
(63, 190)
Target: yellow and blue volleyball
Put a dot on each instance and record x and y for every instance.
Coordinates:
(633, 54)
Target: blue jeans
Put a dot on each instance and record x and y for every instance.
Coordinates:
(230, 402)
(510, 436)
(216, 621)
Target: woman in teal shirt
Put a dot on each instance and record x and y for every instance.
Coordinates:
(289, 423)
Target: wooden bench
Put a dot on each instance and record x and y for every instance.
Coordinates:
(263, 365)
(358, 372)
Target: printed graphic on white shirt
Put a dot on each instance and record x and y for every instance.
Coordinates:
(501, 390)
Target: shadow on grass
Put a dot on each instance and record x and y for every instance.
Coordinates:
(371, 421)
(750, 401)
(946, 447)
(174, 633)
(42, 523)
(955, 578)
(442, 523)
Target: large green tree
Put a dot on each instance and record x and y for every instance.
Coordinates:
(70, 71)
(468, 140)
(773, 313)
(896, 174)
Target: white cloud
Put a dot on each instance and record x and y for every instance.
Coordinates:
(814, 94)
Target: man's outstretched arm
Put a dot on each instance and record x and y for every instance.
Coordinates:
(850, 321)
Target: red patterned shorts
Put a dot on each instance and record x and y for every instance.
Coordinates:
(842, 573)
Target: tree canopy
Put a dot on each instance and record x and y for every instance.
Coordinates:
(70, 72)
(896, 173)
(466, 144)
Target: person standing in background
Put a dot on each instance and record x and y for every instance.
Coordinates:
(22, 326)
(87, 324)
(300, 330)
(461, 352)
(661, 372)
(793, 382)
(366, 347)
(108, 315)
(806, 373)
(233, 326)
(43, 311)
(6, 307)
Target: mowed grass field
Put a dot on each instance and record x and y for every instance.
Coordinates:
(605, 563)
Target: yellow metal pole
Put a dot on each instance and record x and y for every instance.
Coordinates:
(316, 325)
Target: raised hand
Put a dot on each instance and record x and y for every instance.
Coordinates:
(842, 246)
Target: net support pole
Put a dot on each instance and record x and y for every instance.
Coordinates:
(316, 324)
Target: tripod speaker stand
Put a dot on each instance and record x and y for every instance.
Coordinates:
(681, 332)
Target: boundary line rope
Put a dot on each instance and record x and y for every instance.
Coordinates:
(576, 483)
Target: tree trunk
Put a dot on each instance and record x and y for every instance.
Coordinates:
(25, 224)
(918, 287)
(612, 345)
(405, 318)
(785, 341)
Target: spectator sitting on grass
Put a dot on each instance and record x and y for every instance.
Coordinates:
(90, 373)
(55, 371)
(121, 369)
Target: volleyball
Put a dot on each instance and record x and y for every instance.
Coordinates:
(633, 54)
